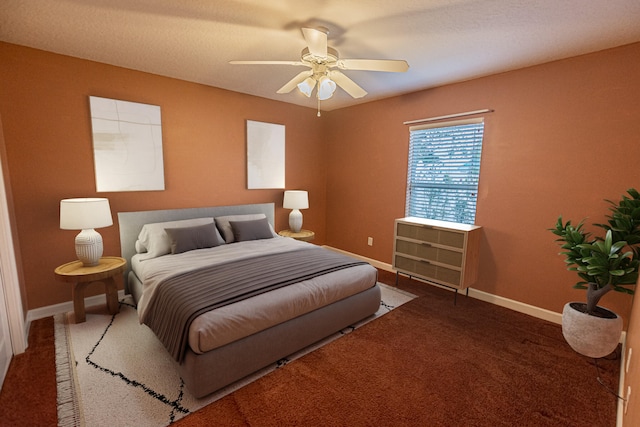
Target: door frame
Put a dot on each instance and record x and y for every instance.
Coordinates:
(8, 268)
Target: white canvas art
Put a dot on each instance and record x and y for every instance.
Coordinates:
(265, 155)
(127, 145)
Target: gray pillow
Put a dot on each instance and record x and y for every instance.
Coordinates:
(251, 230)
(223, 223)
(189, 238)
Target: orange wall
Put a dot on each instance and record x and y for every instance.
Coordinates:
(44, 107)
(563, 137)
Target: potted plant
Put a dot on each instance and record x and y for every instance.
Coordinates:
(604, 264)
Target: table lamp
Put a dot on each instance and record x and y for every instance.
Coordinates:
(86, 214)
(296, 200)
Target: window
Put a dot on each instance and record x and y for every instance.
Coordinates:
(444, 167)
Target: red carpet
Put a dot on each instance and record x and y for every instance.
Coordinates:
(427, 363)
(431, 363)
(28, 396)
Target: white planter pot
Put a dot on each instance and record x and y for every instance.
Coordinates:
(589, 335)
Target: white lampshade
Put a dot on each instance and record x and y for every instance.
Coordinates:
(86, 214)
(326, 87)
(296, 200)
(306, 87)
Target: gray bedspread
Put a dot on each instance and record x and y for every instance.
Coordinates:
(180, 299)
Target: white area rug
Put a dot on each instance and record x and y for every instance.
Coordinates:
(112, 371)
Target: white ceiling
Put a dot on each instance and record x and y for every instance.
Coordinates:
(443, 41)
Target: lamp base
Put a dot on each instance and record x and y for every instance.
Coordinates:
(295, 221)
(89, 247)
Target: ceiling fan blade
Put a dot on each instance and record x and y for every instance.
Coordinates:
(268, 63)
(388, 65)
(291, 84)
(316, 41)
(347, 84)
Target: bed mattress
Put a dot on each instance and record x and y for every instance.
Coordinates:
(242, 319)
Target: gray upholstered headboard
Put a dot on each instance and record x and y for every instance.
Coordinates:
(131, 223)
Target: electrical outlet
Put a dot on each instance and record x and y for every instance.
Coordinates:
(626, 401)
(626, 369)
(370, 241)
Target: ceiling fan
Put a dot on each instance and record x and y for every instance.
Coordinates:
(325, 65)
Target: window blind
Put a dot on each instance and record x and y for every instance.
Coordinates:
(444, 169)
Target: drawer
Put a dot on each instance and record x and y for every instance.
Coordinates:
(428, 270)
(428, 252)
(429, 234)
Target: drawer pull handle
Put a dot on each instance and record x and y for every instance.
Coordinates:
(424, 261)
(425, 244)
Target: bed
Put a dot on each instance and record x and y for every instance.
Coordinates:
(271, 295)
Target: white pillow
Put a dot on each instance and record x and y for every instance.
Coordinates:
(140, 248)
(157, 241)
(225, 228)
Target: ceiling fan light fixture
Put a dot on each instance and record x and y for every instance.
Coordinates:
(326, 87)
(322, 75)
(306, 86)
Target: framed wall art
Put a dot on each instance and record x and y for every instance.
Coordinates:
(127, 145)
(265, 155)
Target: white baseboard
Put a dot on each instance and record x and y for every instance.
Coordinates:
(518, 306)
(531, 310)
(64, 307)
(521, 307)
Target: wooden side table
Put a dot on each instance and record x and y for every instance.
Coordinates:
(304, 235)
(81, 276)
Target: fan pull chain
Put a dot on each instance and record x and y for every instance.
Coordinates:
(319, 107)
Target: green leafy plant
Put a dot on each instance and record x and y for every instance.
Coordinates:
(604, 263)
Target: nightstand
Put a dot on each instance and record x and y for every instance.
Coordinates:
(75, 272)
(304, 235)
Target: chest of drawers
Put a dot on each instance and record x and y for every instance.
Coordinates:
(442, 252)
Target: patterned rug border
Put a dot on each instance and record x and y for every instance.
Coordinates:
(70, 408)
(68, 398)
